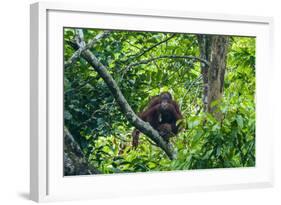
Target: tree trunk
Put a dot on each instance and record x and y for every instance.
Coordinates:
(214, 50)
(75, 162)
(216, 73)
(204, 42)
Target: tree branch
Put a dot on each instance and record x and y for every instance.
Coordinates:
(148, 49)
(82, 48)
(168, 56)
(142, 126)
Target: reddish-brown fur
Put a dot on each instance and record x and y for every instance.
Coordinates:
(162, 109)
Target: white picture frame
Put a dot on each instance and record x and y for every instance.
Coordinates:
(47, 182)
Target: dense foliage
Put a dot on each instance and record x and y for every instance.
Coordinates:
(145, 64)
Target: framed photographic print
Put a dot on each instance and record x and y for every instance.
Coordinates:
(127, 102)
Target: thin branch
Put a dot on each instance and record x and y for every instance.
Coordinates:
(142, 126)
(168, 56)
(124, 70)
(84, 47)
(133, 45)
(148, 49)
(188, 89)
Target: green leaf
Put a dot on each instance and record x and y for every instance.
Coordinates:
(239, 120)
